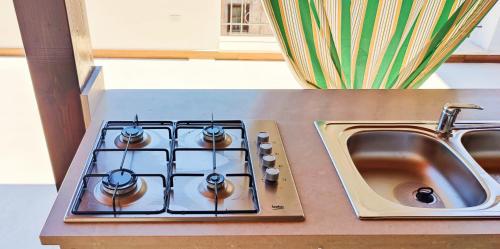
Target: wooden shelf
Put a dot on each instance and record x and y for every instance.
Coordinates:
(223, 55)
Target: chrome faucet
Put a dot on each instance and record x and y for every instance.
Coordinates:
(446, 123)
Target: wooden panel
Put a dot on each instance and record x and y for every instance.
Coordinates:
(92, 93)
(80, 38)
(58, 67)
(293, 242)
(12, 52)
(180, 54)
(474, 59)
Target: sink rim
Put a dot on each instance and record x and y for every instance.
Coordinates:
(370, 205)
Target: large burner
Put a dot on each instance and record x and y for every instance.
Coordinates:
(123, 180)
(214, 133)
(132, 134)
(215, 180)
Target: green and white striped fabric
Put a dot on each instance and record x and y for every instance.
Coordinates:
(355, 44)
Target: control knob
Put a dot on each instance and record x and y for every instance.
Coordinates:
(262, 137)
(265, 149)
(272, 174)
(268, 161)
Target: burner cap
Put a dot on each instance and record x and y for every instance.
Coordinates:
(124, 180)
(132, 133)
(215, 179)
(213, 132)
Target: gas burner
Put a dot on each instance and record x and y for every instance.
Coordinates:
(215, 180)
(132, 134)
(123, 180)
(214, 133)
(225, 187)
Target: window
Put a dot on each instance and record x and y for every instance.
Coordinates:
(244, 17)
(239, 16)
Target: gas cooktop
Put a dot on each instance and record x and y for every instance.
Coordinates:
(186, 171)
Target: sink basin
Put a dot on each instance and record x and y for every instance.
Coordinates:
(398, 170)
(484, 147)
(397, 163)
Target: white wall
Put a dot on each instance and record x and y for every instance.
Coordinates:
(9, 31)
(155, 24)
(189, 25)
(488, 35)
(495, 40)
(133, 24)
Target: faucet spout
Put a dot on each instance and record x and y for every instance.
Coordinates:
(449, 116)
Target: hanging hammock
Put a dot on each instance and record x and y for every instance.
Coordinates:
(355, 44)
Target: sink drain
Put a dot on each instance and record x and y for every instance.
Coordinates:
(425, 195)
(416, 194)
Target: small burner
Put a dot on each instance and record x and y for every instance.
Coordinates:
(132, 134)
(123, 180)
(215, 179)
(211, 133)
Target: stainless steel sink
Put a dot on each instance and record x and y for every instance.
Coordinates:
(404, 170)
(395, 164)
(484, 147)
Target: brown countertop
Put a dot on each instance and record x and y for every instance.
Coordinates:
(330, 219)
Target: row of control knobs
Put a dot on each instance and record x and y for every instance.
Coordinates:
(268, 160)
